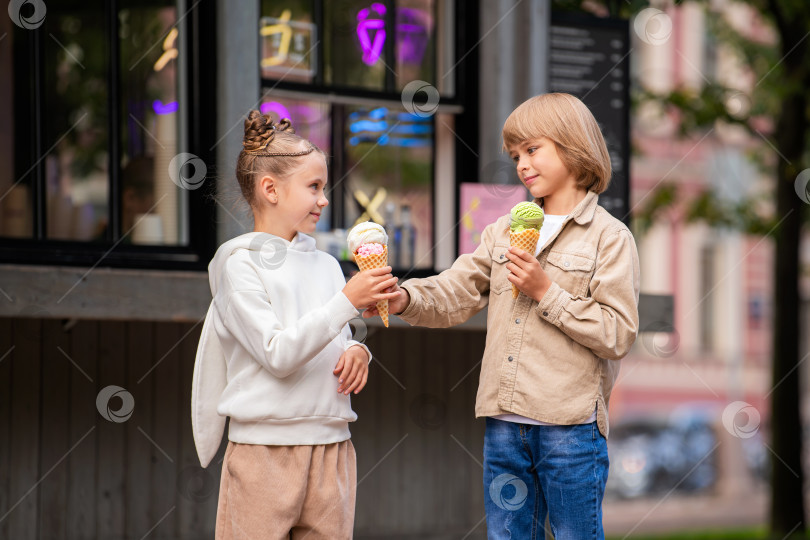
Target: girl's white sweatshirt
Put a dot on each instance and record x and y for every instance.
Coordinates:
(274, 333)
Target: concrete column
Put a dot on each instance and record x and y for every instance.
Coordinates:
(514, 50)
(238, 90)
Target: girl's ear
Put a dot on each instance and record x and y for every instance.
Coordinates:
(267, 189)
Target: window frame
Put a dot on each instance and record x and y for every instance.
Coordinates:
(463, 104)
(200, 42)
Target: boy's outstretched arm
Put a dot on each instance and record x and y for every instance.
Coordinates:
(451, 297)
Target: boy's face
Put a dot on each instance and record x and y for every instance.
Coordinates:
(540, 169)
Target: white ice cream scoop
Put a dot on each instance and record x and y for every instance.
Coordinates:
(367, 232)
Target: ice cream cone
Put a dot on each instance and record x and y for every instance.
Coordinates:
(527, 241)
(377, 261)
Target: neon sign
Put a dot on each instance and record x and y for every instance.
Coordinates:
(160, 108)
(387, 128)
(169, 50)
(288, 47)
(277, 108)
(372, 49)
(413, 30)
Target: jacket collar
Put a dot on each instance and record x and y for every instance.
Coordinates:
(584, 211)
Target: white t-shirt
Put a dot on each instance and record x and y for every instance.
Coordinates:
(551, 224)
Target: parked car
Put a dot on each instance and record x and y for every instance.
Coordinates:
(652, 455)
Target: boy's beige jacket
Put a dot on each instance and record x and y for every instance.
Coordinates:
(557, 360)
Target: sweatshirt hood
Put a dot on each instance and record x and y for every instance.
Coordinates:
(266, 248)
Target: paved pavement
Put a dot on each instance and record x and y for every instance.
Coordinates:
(623, 519)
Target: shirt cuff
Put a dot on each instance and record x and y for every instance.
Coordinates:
(351, 343)
(552, 303)
(411, 313)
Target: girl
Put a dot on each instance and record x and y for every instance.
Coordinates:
(274, 340)
(552, 354)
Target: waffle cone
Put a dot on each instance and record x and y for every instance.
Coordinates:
(527, 241)
(376, 261)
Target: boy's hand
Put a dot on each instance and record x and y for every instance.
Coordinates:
(367, 287)
(527, 274)
(395, 305)
(352, 370)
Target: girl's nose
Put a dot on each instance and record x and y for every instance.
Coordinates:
(323, 201)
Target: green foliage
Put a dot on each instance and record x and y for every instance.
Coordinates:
(699, 110)
(657, 202)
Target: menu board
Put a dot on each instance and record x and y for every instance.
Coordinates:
(590, 58)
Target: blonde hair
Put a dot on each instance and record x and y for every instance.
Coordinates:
(269, 148)
(565, 120)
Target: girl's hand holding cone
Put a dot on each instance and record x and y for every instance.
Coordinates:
(367, 287)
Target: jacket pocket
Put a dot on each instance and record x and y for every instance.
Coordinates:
(571, 271)
(498, 282)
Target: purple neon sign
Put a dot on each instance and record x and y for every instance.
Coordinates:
(277, 108)
(412, 29)
(372, 48)
(164, 108)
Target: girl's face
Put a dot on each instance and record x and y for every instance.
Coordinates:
(540, 168)
(301, 197)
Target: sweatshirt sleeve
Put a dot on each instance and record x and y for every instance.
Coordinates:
(351, 343)
(456, 294)
(607, 321)
(251, 319)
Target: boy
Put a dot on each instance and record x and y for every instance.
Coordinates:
(553, 354)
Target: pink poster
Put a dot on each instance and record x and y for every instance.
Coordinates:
(482, 204)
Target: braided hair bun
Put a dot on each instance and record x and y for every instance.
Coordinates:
(260, 131)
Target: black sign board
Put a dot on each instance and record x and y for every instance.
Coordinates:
(589, 58)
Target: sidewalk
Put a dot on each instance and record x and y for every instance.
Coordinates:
(680, 513)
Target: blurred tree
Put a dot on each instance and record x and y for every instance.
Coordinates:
(781, 99)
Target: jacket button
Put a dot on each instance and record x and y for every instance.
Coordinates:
(517, 321)
(501, 255)
(510, 358)
(545, 314)
(566, 264)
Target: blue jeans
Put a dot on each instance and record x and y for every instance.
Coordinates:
(533, 471)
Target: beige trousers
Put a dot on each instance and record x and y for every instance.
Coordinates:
(287, 492)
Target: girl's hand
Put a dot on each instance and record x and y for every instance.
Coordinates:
(352, 370)
(527, 274)
(395, 306)
(367, 287)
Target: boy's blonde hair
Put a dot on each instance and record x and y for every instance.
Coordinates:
(565, 120)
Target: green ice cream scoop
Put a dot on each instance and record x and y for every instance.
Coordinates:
(525, 215)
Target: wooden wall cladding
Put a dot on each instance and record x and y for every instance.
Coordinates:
(66, 471)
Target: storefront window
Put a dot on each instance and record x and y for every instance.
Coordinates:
(153, 207)
(389, 180)
(382, 153)
(75, 122)
(415, 45)
(288, 36)
(96, 147)
(310, 119)
(354, 43)
(16, 209)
